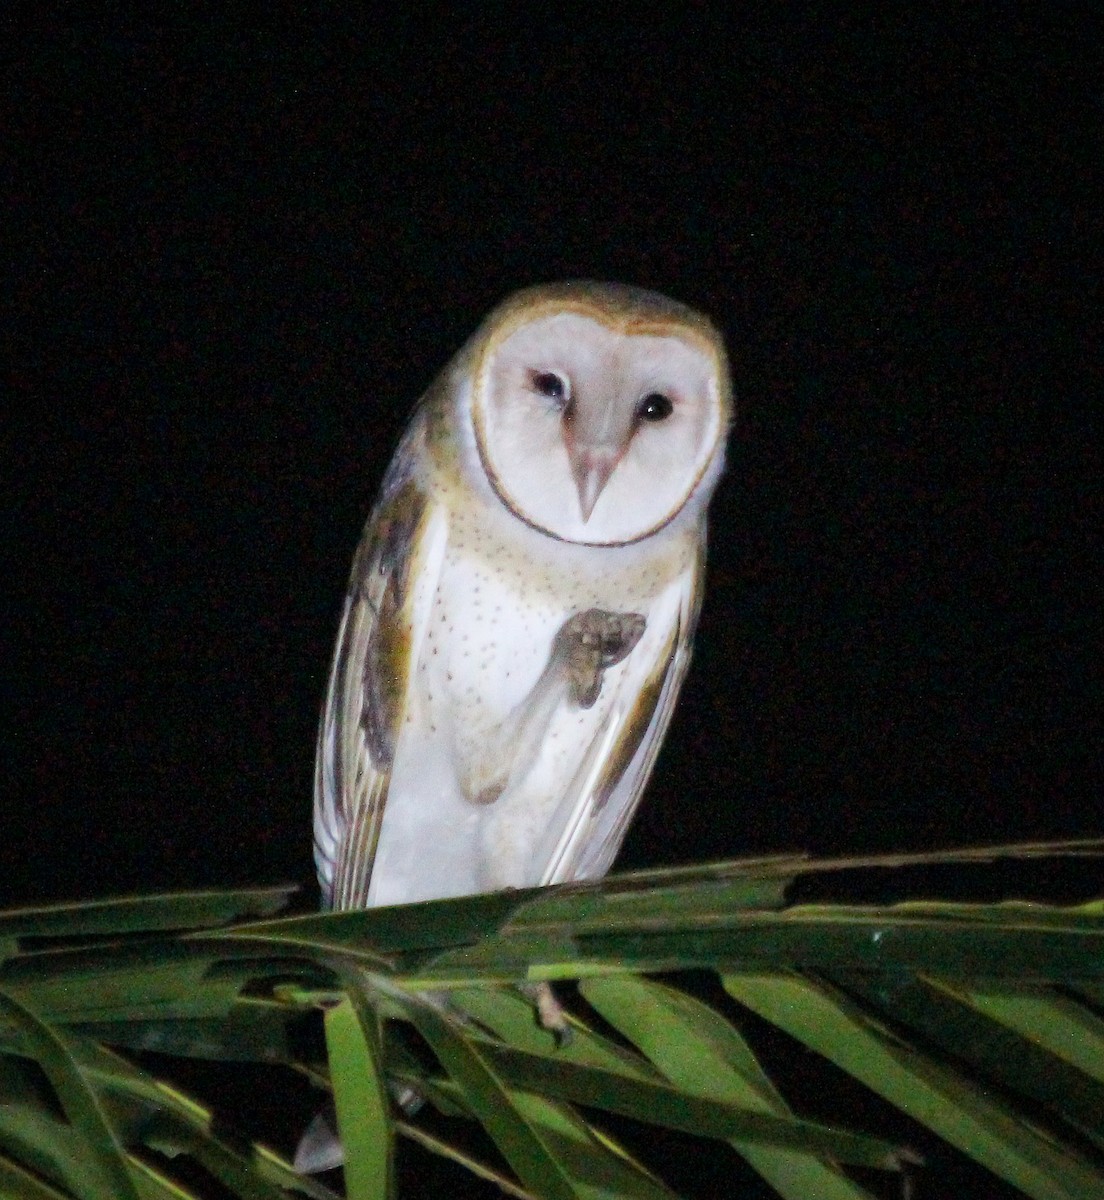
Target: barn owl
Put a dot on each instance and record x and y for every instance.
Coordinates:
(522, 604)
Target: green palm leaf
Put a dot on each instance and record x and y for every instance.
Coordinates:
(977, 1024)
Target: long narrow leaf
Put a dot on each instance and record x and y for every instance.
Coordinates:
(1065, 1029)
(599, 1165)
(520, 1141)
(411, 928)
(107, 1160)
(144, 914)
(153, 1184)
(146, 981)
(247, 1033)
(44, 1144)
(943, 1015)
(701, 1053)
(598, 1168)
(550, 907)
(57, 1157)
(928, 1091)
(18, 1184)
(659, 1104)
(185, 1126)
(443, 1149)
(514, 1020)
(361, 1100)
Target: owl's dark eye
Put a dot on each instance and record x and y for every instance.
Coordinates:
(549, 384)
(654, 407)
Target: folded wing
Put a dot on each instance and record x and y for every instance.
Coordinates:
(366, 697)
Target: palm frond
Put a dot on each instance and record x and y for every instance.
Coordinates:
(976, 1023)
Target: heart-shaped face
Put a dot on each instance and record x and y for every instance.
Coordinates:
(600, 412)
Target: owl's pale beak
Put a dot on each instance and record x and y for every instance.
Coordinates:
(595, 443)
(591, 468)
(591, 471)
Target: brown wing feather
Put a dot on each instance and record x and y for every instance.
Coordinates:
(633, 752)
(366, 695)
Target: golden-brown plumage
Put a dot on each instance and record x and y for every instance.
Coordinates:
(521, 607)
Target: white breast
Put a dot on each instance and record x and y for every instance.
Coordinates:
(501, 595)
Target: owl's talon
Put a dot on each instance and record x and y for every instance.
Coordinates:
(592, 641)
(551, 1014)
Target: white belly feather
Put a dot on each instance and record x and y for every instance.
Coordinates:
(488, 618)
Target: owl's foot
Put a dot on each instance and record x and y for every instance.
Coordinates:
(550, 1012)
(591, 641)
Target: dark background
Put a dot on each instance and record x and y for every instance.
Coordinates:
(236, 252)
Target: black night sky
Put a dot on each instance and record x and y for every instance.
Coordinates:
(237, 251)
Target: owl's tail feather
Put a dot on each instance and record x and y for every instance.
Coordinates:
(320, 1146)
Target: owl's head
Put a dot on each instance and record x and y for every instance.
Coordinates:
(599, 411)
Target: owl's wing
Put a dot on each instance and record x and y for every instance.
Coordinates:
(366, 697)
(599, 808)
